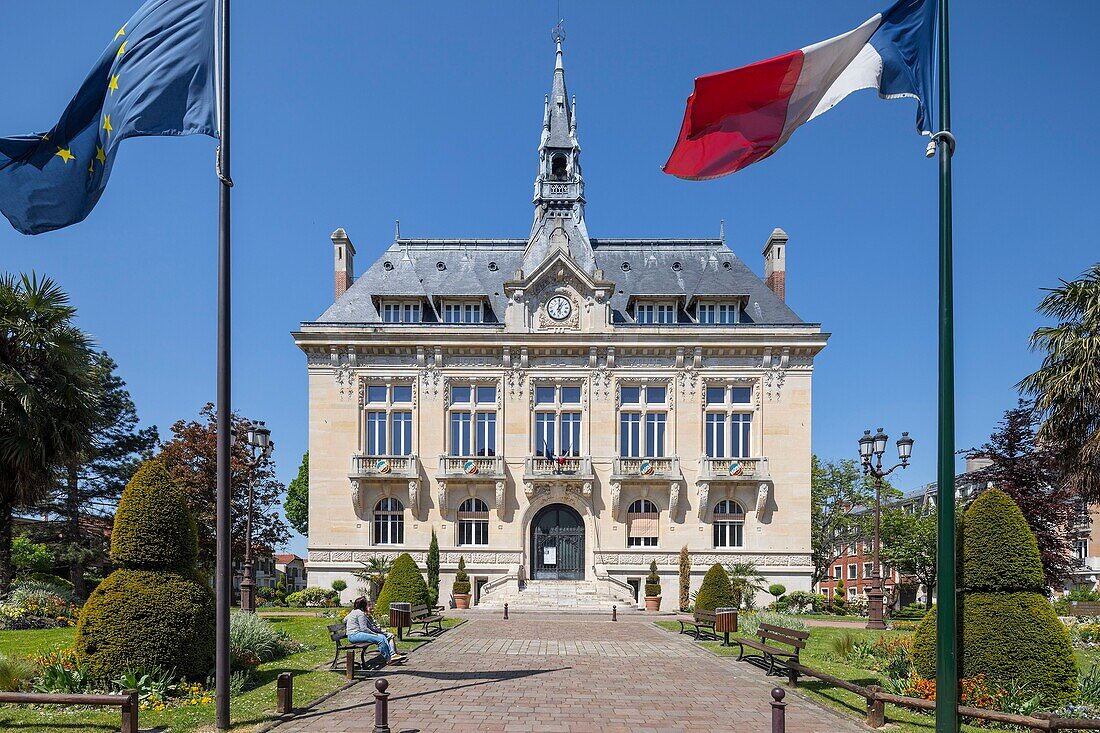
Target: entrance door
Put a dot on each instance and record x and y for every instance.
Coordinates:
(557, 544)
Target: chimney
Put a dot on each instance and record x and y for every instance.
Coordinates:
(344, 252)
(775, 263)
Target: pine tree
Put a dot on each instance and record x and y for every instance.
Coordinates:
(685, 578)
(433, 570)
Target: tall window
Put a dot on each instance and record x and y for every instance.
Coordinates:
(462, 312)
(729, 524)
(558, 420)
(388, 420)
(398, 311)
(389, 522)
(729, 422)
(473, 522)
(643, 417)
(473, 420)
(722, 313)
(651, 313)
(1081, 548)
(641, 519)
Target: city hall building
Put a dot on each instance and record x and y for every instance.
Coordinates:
(560, 409)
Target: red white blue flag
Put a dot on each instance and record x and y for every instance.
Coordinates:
(735, 118)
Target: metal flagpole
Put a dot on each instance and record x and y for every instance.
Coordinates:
(224, 570)
(947, 673)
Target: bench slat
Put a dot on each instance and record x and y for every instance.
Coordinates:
(774, 651)
(803, 635)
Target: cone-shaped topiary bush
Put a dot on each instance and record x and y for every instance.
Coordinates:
(1009, 632)
(155, 610)
(404, 584)
(716, 590)
(461, 585)
(653, 581)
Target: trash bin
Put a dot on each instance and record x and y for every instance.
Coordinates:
(725, 621)
(401, 616)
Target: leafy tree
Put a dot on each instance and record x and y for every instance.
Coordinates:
(1028, 470)
(777, 590)
(909, 545)
(191, 457)
(47, 395)
(30, 556)
(339, 585)
(433, 570)
(685, 578)
(837, 492)
(1066, 388)
(373, 575)
(296, 506)
(746, 581)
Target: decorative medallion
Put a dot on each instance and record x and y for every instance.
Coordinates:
(646, 468)
(383, 466)
(469, 467)
(735, 469)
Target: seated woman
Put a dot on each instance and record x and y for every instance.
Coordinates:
(362, 629)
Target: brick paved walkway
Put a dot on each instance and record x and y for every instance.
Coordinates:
(546, 674)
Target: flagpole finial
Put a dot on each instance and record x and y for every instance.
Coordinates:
(558, 33)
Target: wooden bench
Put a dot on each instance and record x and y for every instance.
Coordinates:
(427, 616)
(1084, 608)
(701, 621)
(770, 654)
(339, 635)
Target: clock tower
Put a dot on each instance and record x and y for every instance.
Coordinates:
(559, 185)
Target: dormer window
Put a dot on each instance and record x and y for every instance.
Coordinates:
(401, 311)
(457, 311)
(718, 312)
(655, 312)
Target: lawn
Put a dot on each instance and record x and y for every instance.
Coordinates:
(816, 655)
(252, 708)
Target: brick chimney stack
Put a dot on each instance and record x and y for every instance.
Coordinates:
(344, 252)
(775, 263)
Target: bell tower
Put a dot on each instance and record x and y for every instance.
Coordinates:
(559, 186)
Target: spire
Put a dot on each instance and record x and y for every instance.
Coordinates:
(559, 186)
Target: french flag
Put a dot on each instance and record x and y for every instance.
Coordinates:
(735, 118)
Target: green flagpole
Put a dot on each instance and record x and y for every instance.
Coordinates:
(947, 671)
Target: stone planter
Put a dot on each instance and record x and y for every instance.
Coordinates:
(653, 603)
(462, 600)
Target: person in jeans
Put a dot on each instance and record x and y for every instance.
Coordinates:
(362, 629)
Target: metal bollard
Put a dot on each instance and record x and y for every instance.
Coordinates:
(130, 709)
(349, 664)
(614, 613)
(381, 707)
(505, 611)
(779, 711)
(284, 694)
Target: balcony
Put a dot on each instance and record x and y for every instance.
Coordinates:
(384, 467)
(471, 468)
(558, 475)
(384, 475)
(646, 469)
(734, 469)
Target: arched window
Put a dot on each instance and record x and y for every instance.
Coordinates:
(641, 520)
(729, 524)
(557, 167)
(473, 522)
(389, 522)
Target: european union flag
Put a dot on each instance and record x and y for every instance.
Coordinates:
(155, 78)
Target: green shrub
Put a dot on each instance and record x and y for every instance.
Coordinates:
(716, 591)
(313, 598)
(685, 578)
(777, 589)
(153, 528)
(840, 597)
(433, 570)
(339, 585)
(15, 674)
(799, 601)
(998, 551)
(749, 623)
(252, 640)
(404, 584)
(1011, 636)
(146, 619)
(1089, 685)
(653, 581)
(461, 586)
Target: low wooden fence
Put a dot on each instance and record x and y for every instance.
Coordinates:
(877, 700)
(127, 701)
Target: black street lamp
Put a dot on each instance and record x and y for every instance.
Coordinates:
(259, 443)
(873, 446)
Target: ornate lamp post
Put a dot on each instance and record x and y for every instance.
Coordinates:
(259, 443)
(872, 447)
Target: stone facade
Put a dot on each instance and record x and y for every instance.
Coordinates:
(506, 371)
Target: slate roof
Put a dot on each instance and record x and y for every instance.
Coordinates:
(684, 268)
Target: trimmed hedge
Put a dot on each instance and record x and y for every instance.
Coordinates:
(153, 526)
(461, 586)
(998, 551)
(138, 619)
(716, 590)
(653, 581)
(1012, 636)
(404, 584)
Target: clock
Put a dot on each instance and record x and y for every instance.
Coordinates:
(559, 308)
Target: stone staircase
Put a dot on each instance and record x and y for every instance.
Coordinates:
(559, 596)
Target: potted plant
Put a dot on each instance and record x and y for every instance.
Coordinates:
(461, 587)
(653, 588)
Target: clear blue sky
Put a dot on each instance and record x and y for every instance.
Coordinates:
(352, 114)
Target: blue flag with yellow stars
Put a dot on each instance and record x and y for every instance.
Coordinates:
(155, 78)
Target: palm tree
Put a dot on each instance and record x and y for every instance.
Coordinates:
(374, 572)
(746, 581)
(47, 395)
(1066, 388)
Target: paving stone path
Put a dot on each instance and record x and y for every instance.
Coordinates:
(562, 674)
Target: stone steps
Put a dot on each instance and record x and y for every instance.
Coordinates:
(562, 596)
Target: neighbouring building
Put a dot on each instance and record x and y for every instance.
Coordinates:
(263, 565)
(291, 569)
(561, 409)
(1085, 574)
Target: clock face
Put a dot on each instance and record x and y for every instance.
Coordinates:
(559, 308)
